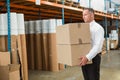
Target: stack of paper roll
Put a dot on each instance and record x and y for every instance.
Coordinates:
(41, 44)
(45, 50)
(22, 46)
(38, 41)
(18, 42)
(52, 45)
(28, 43)
(14, 33)
(32, 45)
(3, 33)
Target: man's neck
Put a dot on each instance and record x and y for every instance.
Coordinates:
(91, 21)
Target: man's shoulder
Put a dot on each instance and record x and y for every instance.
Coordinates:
(97, 27)
(96, 23)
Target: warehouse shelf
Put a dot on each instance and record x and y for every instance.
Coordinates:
(51, 9)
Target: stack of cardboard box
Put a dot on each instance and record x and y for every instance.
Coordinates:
(8, 71)
(113, 39)
(73, 41)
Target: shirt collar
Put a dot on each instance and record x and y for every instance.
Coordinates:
(92, 22)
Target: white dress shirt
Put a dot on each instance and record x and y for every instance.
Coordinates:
(97, 39)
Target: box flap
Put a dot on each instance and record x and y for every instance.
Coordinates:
(13, 67)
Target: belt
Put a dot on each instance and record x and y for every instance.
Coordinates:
(99, 53)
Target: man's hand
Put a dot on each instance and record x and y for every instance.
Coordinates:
(83, 60)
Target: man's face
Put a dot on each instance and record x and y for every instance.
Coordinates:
(87, 16)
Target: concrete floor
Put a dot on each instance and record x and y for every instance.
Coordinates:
(110, 70)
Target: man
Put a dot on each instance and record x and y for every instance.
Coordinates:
(92, 71)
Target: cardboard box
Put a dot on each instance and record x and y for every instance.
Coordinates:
(73, 33)
(4, 58)
(3, 43)
(10, 72)
(61, 66)
(106, 46)
(70, 54)
(113, 44)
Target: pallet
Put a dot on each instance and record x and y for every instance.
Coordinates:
(66, 2)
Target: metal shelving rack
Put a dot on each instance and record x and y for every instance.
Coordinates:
(105, 23)
(116, 11)
(63, 12)
(106, 26)
(54, 7)
(9, 26)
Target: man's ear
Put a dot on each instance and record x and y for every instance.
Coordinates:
(92, 15)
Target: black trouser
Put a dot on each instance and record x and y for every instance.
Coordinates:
(92, 71)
